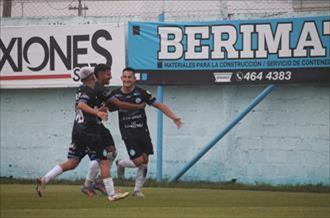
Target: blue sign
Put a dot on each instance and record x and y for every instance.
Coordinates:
(242, 51)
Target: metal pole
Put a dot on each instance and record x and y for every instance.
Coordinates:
(160, 97)
(7, 6)
(79, 8)
(233, 123)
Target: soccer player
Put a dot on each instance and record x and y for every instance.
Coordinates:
(86, 137)
(134, 129)
(103, 75)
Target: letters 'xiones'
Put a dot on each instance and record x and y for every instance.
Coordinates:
(69, 56)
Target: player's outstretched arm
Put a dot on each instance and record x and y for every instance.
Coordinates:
(169, 113)
(125, 105)
(87, 109)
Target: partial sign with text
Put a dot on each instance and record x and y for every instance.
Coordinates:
(51, 56)
(291, 50)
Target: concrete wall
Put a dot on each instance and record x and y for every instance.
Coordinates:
(284, 140)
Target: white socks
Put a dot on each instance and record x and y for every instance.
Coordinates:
(140, 177)
(126, 163)
(140, 174)
(111, 157)
(109, 186)
(93, 170)
(57, 170)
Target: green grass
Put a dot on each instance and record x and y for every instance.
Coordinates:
(18, 201)
(230, 185)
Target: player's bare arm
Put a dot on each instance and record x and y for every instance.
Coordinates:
(125, 105)
(103, 115)
(169, 113)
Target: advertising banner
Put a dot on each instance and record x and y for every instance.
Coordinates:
(51, 56)
(290, 50)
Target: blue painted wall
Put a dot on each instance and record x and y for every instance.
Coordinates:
(285, 140)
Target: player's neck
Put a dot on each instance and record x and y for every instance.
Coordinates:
(127, 89)
(90, 84)
(101, 83)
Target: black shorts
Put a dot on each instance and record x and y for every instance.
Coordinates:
(106, 136)
(89, 143)
(137, 143)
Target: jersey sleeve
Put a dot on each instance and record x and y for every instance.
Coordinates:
(83, 97)
(109, 96)
(148, 97)
(112, 107)
(105, 94)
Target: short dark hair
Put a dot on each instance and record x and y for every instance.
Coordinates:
(128, 69)
(100, 68)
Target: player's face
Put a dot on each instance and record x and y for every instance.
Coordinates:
(128, 79)
(104, 77)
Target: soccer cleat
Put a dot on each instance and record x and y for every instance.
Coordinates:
(138, 194)
(120, 171)
(118, 196)
(40, 187)
(88, 191)
(99, 185)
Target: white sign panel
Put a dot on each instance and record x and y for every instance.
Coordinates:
(51, 56)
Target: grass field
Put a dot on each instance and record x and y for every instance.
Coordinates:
(18, 201)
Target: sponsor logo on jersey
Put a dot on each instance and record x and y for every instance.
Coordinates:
(138, 100)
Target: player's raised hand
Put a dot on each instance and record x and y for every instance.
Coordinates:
(178, 122)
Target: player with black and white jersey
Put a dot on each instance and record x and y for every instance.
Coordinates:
(103, 95)
(134, 129)
(86, 137)
(133, 121)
